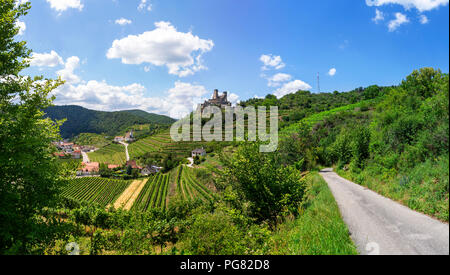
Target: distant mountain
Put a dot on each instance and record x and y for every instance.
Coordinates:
(82, 120)
(158, 119)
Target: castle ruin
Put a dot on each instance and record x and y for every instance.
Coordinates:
(217, 100)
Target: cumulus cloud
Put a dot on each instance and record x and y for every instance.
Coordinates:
(145, 5)
(291, 87)
(271, 62)
(123, 21)
(67, 73)
(278, 79)
(51, 59)
(332, 72)
(176, 102)
(63, 5)
(22, 27)
(420, 5)
(163, 46)
(423, 19)
(99, 95)
(399, 20)
(379, 16)
(233, 98)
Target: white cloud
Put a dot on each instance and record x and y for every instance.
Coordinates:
(292, 87)
(146, 69)
(277, 79)
(67, 73)
(62, 5)
(164, 46)
(423, 19)
(271, 62)
(123, 21)
(332, 72)
(233, 98)
(99, 95)
(177, 102)
(145, 6)
(22, 27)
(420, 5)
(399, 20)
(379, 16)
(51, 59)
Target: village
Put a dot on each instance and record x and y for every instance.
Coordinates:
(70, 150)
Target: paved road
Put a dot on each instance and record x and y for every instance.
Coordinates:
(381, 226)
(85, 157)
(126, 149)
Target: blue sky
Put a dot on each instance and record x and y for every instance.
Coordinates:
(165, 56)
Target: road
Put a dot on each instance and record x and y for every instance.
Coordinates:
(85, 157)
(191, 163)
(126, 149)
(379, 225)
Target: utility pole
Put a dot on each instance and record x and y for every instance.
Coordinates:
(318, 83)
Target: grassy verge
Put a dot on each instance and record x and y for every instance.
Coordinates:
(320, 229)
(424, 188)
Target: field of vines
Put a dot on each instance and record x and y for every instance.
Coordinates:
(98, 190)
(190, 188)
(163, 144)
(154, 194)
(112, 154)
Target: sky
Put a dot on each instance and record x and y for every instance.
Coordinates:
(166, 56)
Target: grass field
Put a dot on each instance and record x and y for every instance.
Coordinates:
(319, 230)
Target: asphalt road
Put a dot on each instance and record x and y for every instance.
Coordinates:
(379, 225)
(85, 157)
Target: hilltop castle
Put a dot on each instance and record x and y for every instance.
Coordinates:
(217, 100)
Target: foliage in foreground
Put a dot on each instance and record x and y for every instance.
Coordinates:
(29, 175)
(319, 230)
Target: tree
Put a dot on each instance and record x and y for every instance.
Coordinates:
(28, 171)
(272, 189)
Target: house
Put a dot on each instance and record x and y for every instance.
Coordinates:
(113, 166)
(90, 168)
(119, 139)
(129, 136)
(133, 164)
(150, 170)
(199, 153)
(76, 154)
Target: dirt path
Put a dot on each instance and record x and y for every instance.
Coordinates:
(379, 225)
(126, 150)
(130, 194)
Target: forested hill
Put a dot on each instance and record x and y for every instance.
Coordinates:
(82, 120)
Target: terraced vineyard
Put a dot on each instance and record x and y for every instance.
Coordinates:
(154, 194)
(112, 154)
(98, 190)
(163, 144)
(190, 188)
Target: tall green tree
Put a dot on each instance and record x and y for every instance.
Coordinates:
(28, 172)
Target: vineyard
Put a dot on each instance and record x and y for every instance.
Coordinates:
(96, 190)
(162, 144)
(112, 154)
(154, 194)
(189, 187)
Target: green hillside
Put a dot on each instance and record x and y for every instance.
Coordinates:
(82, 120)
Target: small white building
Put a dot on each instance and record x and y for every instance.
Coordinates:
(199, 153)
